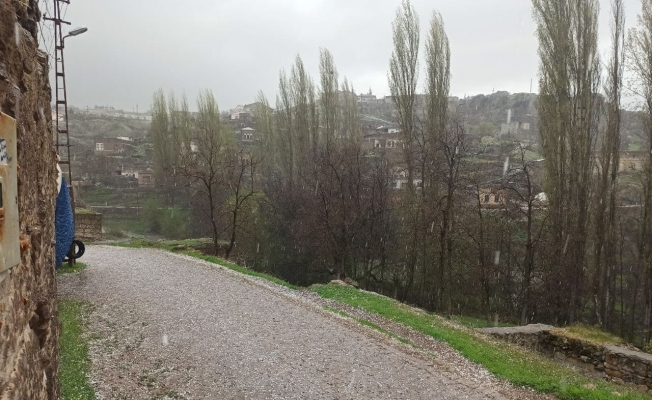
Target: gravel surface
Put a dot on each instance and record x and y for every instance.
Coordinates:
(167, 326)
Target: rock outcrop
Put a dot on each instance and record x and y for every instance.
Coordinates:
(29, 329)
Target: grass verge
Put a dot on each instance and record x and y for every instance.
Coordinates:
(74, 360)
(371, 325)
(512, 363)
(71, 269)
(590, 333)
(473, 322)
(518, 366)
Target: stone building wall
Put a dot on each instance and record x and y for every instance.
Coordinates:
(29, 331)
(88, 226)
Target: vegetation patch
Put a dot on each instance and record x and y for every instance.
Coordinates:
(588, 333)
(84, 211)
(118, 227)
(473, 322)
(71, 269)
(74, 360)
(371, 325)
(516, 365)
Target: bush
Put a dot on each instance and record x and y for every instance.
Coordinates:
(172, 223)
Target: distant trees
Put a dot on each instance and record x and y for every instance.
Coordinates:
(426, 214)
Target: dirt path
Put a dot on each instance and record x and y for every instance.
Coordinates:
(169, 326)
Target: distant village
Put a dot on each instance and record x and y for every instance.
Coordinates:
(112, 148)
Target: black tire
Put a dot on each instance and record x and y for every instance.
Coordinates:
(81, 249)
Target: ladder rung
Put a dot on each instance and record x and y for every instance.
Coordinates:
(63, 130)
(64, 162)
(61, 102)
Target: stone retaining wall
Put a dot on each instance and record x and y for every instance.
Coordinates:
(88, 226)
(117, 212)
(614, 363)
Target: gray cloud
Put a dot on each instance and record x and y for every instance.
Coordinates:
(237, 47)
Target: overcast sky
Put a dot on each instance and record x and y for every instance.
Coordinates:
(237, 47)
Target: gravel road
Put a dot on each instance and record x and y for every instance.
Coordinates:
(165, 326)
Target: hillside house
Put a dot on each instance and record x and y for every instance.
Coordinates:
(146, 179)
(632, 161)
(492, 197)
(253, 108)
(367, 98)
(381, 140)
(112, 146)
(242, 112)
(247, 135)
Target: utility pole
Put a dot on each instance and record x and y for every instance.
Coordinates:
(61, 100)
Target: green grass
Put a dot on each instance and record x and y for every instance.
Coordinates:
(591, 334)
(133, 225)
(68, 269)
(371, 325)
(473, 322)
(521, 367)
(82, 211)
(73, 370)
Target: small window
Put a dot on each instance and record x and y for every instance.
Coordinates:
(486, 198)
(99, 146)
(497, 198)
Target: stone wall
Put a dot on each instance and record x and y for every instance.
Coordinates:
(613, 363)
(117, 211)
(88, 226)
(29, 331)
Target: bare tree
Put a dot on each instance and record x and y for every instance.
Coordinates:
(285, 140)
(454, 147)
(300, 87)
(640, 59)
(522, 189)
(240, 173)
(350, 118)
(438, 71)
(606, 231)
(439, 163)
(202, 161)
(160, 132)
(328, 95)
(403, 77)
(569, 80)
